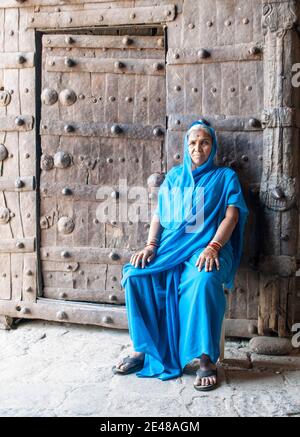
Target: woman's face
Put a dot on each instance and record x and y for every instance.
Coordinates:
(200, 144)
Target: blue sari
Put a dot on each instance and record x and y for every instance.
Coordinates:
(175, 312)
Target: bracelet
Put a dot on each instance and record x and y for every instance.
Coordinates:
(215, 245)
(152, 243)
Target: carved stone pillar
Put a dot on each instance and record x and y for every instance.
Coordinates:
(279, 189)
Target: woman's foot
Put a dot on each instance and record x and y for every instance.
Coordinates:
(124, 366)
(206, 365)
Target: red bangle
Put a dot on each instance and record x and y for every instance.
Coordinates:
(215, 245)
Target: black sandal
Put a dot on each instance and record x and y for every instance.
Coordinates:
(135, 365)
(204, 374)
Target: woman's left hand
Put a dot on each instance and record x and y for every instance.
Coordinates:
(208, 256)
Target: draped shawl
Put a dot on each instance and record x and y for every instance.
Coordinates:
(183, 197)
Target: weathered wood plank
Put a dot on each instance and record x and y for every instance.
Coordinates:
(28, 3)
(130, 42)
(5, 277)
(225, 122)
(91, 255)
(21, 245)
(19, 60)
(106, 315)
(97, 65)
(106, 17)
(29, 280)
(239, 52)
(57, 127)
(84, 295)
(20, 184)
(20, 123)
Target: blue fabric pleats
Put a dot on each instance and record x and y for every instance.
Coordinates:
(176, 315)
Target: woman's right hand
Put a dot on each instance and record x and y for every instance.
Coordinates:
(146, 254)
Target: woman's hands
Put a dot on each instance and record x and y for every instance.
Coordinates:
(146, 254)
(208, 257)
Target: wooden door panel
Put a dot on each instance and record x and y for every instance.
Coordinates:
(85, 94)
(216, 72)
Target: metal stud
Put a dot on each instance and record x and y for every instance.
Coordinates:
(112, 297)
(253, 122)
(277, 193)
(62, 159)
(25, 311)
(61, 315)
(127, 41)
(65, 225)
(177, 88)
(65, 254)
(21, 59)
(107, 320)
(69, 62)
(67, 97)
(116, 129)
(155, 180)
(4, 215)
(20, 245)
(114, 256)
(49, 96)
(47, 162)
(69, 40)
(19, 121)
(202, 53)
(29, 290)
(254, 50)
(157, 132)
(157, 66)
(19, 183)
(29, 273)
(63, 295)
(284, 237)
(3, 152)
(66, 191)
(68, 128)
(119, 64)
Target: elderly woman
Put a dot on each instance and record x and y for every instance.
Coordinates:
(174, 290)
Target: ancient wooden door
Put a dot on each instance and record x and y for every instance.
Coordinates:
(102, 126)
(215, 69)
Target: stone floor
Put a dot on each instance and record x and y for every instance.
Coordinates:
(53, 369)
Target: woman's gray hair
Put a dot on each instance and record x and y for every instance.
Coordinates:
(197, 127)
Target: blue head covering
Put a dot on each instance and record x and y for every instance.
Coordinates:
(221, 188)
(175, 196)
